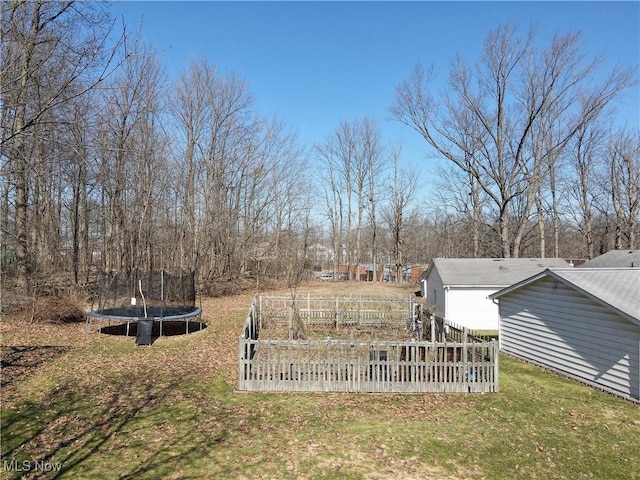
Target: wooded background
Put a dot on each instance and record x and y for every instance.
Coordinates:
(106, 164)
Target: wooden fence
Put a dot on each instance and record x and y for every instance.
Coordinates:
(336, 312)
(445, 329)
(342, 365)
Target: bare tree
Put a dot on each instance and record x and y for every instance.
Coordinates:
(458, 192)
(554, 166)
(374, 157)
(129, 146)
(585, 155)
(52, 53)
(623, 165)
(402, 189)
(79, 173)
(275, 200)
(192, 115)
(352, 159)
(486, 123)
(333, 192)
(367, 167)
(243, 184)
(345, 155)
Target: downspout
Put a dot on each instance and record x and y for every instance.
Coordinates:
(446, 309)
(446, 301)
(497, 302)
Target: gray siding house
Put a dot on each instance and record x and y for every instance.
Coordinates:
(583, 323)
(457, 289)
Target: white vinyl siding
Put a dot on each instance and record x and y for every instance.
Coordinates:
(471, 308)
(554, 325)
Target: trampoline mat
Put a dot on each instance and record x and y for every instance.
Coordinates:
(185, 311)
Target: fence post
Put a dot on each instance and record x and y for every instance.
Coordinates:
(240, 363)
(445, 329)
(410, 315)
(496, 354)
(433, 328)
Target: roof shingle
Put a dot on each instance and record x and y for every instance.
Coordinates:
(615, 259)
(491, 272)
(616, 288)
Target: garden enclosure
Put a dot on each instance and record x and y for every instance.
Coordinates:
(356, 344)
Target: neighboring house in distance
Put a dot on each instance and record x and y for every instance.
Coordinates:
(581, 322)
(457, 289)
(615, 259)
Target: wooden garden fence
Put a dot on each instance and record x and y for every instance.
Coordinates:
(335, 312)
(351, 365)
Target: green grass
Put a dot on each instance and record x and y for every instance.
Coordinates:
(111, 410)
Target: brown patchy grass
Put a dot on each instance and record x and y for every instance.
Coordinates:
(103, 408)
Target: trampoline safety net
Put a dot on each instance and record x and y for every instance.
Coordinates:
(146, 290)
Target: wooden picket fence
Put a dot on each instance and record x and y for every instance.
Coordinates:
(335, 312)
(351, 365)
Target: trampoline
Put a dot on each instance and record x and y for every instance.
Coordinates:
(145, 304)
(159, 315)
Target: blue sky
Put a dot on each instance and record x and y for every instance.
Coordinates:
(314, 64)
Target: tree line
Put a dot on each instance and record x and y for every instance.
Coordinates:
(107, 164)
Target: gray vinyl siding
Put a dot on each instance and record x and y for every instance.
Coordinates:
(435, 293)
(566, 331)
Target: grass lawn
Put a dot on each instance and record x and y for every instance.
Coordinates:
(83, 406)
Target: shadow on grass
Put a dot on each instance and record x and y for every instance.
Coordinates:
(17, 362)
(170, 328)
(134, 426)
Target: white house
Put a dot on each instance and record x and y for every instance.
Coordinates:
(457, 289)
(582, 322)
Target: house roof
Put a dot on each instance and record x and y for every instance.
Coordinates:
(615, 288)
(615, 259)
(489, 272)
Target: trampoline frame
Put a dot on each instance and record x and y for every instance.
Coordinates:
(99, 315)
